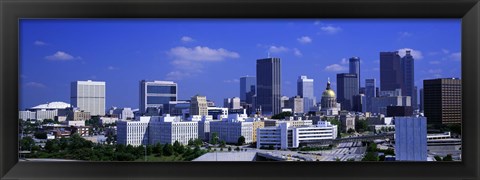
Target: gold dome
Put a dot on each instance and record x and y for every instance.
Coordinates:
(328, 93)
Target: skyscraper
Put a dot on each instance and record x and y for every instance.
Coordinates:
(198, 105)
(268, 85)
(421, 100)
(305, 90)
(391, 76)
(370, 92)
(415, 98)
(442, 100)
(89, 96)
(354, 67)
(247, 88)
(157, 94)
(408, 86)
(347, 87)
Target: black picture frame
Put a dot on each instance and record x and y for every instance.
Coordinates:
(11, 11)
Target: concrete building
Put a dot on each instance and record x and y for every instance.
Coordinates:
(370, 86)
(296, 104)
(168, 129)
(108, 120)
(178, 108)
(247, 88)
(133, 132)
(305, 90)
(231, 128)
(89, 96)
(421, 100)
(198, 105)
(283, 101)
(217, 112)
(268, 86)
(156, 95)
(43, 111)
(347, 121)
(379, 104)
(286, 136)
(347, 87)
(123, 113)
(26, 115)
(393, 111)
(359, 103)
(411, 138)
(76, 114)
(443, 100)
(232, 103)
(292, 122)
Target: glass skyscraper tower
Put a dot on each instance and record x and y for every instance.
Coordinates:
(157, 94)
(268, 86)
(305, 90)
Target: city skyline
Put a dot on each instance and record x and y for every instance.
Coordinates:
(208, 57)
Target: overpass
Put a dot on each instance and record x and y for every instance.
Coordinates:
(349, 139)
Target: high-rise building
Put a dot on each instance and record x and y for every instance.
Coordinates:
(354, 67)
(347, 87)
(157, 95)
(410, 139)
(268, 85)
(198, 105)
(305, 90)
(232, 103)
(391, 76)
(89, 96)
(408, 88)
(247, 88)
(359, 103)
(370, 92)
(442, 100)
(415, 98)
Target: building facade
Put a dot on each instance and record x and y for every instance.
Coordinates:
(89, 96)
(305, 90)
(247, 88)
(329, 105)
(442, 100)
(354, 67)
(268, 86)
(168, 129)
(231, 128)
(370, 92)
(347, 87)
(410, 139)
(198, 105)
(133, 133)
(156, 95)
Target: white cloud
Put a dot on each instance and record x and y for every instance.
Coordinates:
(35, 85)
(304, 40)
(318, 22)
(61, 56)
(403, 35)
(435, 71)
(445, 51)
(329, 29)
(456, 56)
(39, 43)
(187, 39)
(335, 68)
(275, 49)
(177, 75)
(231, 81)
(434, 62)
(297, 52)
(200, 53)
(111, 68)
(344, 61)
(417, 55)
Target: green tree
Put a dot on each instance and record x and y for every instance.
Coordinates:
(158, 149)
(370, 156)
(448, 158)
(223, 143)
(190, 142)
(282, 115)
(214, 139)
(237, 149)
(168, 150)
(350, 131)
(178, 148)
(241, 140)
(52, 146)
(40, 135)
(437, 158)
(197, 142)
(229, 148)
(27, 143)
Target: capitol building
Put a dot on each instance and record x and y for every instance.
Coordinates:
(329, 105)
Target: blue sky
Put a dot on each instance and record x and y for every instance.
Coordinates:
(208, 56)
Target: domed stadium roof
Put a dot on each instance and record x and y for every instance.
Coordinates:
(52, 105)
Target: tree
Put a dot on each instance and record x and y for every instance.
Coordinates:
(178, 148)
(190, 142)
(168, 149)
(381, 158)
(157, 149)
(222, 143)
(40, 135)
(237, 149)
(27, 143)
(241, 140)
(282, 115)
(214, 139)
(229, 148)
(52, 146)
(350, 131)
(370, 156)
(448, 158)
(437, 158)
(197, 142)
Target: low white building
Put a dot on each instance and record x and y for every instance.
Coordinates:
(286, 136)
(134, 132)
(231, 128)
(26, 115)
(168, 129)
(108, 120)
(76, 123)
(203, 126)
(123, 113)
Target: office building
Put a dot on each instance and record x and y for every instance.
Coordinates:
(443, 100)
(393, 111)
(89, 96)
(329, 105)
(198, 105)
(391, 76)
(408, 88)
(354, 67)
(285, 136)
(247, 88)
(168, 129)
(415, 98)
(217, 112)
(156, 95)
(179, 108)
(296, 104)
(26, 115)
(347, 87)
(359, 103)
(76, 114)
(370, 92)
(411, 138)
(232, 103)
(123, 113)
(231, 128)
(268, 86)
(421, 100)
(305, 90)
(379, 104)
(134, 132)
(347, 121)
